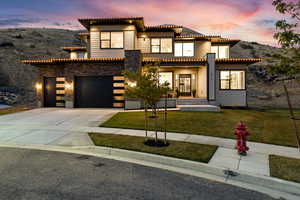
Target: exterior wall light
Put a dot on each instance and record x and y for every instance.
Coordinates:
(131, 84)
(68, 86)
(38, 86)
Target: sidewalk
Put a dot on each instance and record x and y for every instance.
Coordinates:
(257, 160)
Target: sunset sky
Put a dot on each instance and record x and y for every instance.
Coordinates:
(251, 20)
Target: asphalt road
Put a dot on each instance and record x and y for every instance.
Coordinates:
(35, 175)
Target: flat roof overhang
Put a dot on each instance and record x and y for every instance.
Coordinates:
(54, 61)
(137, 21)
(201, 60)
(70, 49)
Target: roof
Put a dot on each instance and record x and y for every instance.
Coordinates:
(175, 28)
(137, 21)
(232, 42)
(196, 37)
(145, 60)
(204, 60)
(69, 49)
(175, 60)
(84, 34)
(238, 60)
(69, 60)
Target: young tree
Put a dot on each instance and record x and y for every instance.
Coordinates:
(144, 86)
(287, 64)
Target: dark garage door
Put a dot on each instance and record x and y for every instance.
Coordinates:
(94, 92)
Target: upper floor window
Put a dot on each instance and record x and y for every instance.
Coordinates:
(232, 80)
(220, 51)
(184, 49)
(112, 40)
(161, 45)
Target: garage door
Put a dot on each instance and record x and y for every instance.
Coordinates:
(94, 92)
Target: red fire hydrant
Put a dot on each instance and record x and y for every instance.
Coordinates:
(241, 133)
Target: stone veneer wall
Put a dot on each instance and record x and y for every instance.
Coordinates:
(133, 60)
(70, 70)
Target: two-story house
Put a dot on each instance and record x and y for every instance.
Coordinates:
(197, 66)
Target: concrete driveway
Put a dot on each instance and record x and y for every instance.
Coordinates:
(52, 126)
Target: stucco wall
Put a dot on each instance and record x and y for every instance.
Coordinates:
(230, 97)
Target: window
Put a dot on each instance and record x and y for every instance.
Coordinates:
(161, 45)
(166, 77)
(112, 40)
(232, 80)
(184, 49)
(220, 51)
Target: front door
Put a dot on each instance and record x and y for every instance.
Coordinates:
(50, 92)
(185, 84)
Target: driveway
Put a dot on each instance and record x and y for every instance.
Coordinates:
(52, 126)
(33, 175)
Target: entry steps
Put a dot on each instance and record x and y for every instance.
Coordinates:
(199, 108)
(191, 101)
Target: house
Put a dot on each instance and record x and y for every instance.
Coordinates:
(190, 62)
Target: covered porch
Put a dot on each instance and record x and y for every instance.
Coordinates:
(185, 82)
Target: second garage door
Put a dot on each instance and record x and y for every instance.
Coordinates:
(94, 92)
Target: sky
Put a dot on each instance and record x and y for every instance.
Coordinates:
(250, 20)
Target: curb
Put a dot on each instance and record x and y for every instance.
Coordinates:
(234, 175)
(272, 186)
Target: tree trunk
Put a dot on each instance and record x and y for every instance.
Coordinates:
(146, 122)
(292, 115)
(166, 102)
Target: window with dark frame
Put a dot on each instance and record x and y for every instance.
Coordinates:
(232, 80)
(161, 45)
(111, 40)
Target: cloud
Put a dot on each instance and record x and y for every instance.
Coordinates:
(18, 21)
(245, 19)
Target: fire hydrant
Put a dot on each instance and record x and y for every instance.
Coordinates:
(241, 133)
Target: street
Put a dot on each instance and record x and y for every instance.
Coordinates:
(34, 175)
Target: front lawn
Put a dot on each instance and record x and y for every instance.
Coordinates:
(183, 150)
(11, 110)
(266, 126)
(285, 168)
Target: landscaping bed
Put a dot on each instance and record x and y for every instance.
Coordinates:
(11, 110)
(285, 168)
(265, 126)
(183, 150)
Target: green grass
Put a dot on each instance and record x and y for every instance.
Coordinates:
(183, 150)
(266, 126)
(11, 110)
(285, 168)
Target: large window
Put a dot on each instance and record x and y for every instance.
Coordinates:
(232, 80)
(112, 40)
(220, 51)
(166, 77)
(161, 45)
(184, 49)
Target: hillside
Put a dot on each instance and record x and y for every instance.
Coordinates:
(26, 43)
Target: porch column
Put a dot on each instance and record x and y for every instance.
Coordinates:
(211, 77)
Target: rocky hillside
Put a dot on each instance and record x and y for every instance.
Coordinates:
(19, 44)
